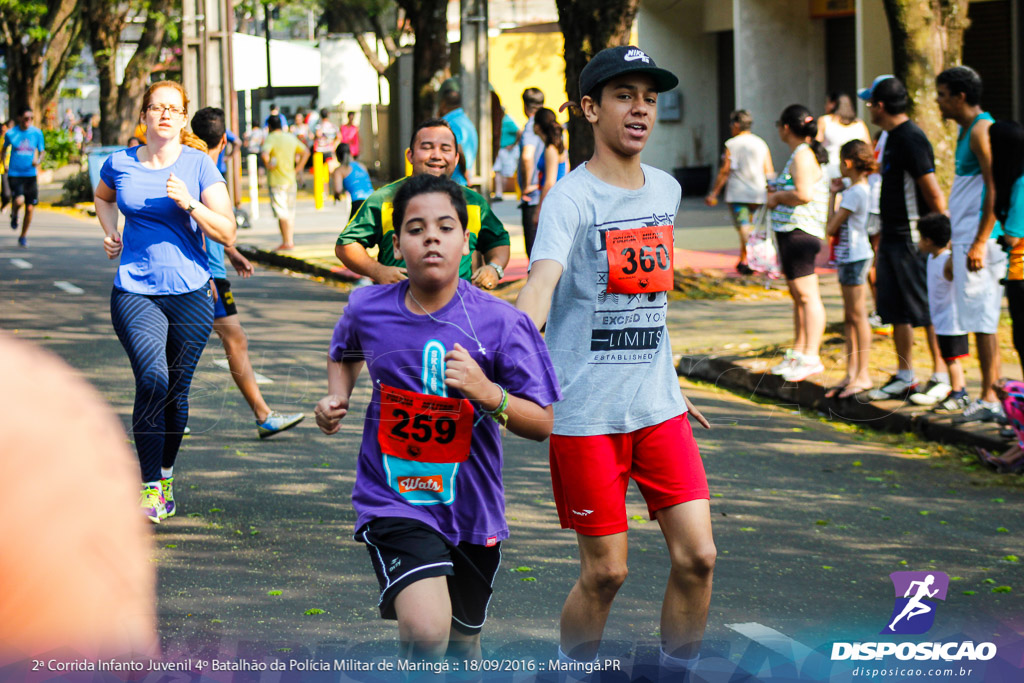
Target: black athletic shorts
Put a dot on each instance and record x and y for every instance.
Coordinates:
(902, 283)
(24, 186)
(225, 303)
(797, 252)
(404, 551)
(953, 347)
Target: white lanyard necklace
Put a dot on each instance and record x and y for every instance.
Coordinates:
(479, 344)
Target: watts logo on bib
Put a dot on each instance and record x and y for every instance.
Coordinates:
(424, 436)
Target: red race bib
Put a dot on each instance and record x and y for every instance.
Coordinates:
(424, 428)
(640, 260)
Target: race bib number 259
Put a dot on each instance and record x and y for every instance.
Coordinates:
(640, 260)
(424, 428)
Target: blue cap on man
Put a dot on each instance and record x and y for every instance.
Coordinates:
(865, 93)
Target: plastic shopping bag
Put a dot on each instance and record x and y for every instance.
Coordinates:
(762, 256)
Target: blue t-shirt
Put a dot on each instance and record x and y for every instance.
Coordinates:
(357, 183)
(1014, 225)
(163, 247)
(222, 165)
(466, 137)
(509, 132)
(24, 144)
(215, 253)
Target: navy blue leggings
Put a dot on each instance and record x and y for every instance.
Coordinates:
(164, 337)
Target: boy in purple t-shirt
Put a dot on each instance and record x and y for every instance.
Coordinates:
(449, 363)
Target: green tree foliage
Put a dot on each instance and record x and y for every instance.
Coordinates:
(43, 40)
(107, 20)
(589, 26)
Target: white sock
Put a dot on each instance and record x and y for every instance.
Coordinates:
(940, 377)
(809, 360)
(154, 484)
(576, 673)
(166, 472)
(672, 668)
(905, 375)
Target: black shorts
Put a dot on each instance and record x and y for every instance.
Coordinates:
(902, 283)
(797, 252)
(953, 347)
(24, 186)
(404, 551)
(225, 303)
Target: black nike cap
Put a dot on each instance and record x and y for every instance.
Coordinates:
(626, 59)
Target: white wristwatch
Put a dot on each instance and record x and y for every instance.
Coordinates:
(192, 204)
(498, 269)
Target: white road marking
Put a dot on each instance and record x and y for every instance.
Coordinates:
(260, 379)
(68, 287)
(20, 263)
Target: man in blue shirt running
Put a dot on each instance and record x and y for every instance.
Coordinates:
(27, 151)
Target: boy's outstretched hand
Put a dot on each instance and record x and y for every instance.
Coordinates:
(463, 373)
(329, 411)
(694, 413)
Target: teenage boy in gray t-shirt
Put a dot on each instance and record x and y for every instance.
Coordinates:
(599, 275)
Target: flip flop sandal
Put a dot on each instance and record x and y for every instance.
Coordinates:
(986, 459)
(853, 392)
(834, 391)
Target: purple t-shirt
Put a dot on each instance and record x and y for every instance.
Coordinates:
(406, 351)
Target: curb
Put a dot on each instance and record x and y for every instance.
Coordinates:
(273, 258)
(887, 416)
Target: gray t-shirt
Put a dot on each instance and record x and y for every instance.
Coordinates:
(611, 352)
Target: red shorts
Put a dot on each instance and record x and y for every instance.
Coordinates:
(590, 474)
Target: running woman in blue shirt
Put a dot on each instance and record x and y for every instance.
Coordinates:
(161, 304)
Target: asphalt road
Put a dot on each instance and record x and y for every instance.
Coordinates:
(809, 518)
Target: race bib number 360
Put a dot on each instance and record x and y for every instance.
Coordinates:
(640, 260)
(424, 428)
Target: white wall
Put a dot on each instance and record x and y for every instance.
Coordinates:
(874, 47)
(780, 60)
(347, 77)
(674, 36)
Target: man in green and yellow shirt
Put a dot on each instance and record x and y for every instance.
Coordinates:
(432, 150)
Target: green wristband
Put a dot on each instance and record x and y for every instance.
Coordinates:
(499, 414)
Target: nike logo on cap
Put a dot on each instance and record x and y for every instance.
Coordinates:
(634, 55)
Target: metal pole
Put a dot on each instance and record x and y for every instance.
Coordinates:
(266, 36)
(231, 105)
(476, 91)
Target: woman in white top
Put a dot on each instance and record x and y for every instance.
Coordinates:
(838, 126)
(744, 172)
(799, 204)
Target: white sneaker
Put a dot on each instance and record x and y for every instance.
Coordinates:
(803, 369)
(932, 394)
(788, 361)
(894, 388)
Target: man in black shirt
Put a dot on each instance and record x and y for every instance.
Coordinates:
(909, 191)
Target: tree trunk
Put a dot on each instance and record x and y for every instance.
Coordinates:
(359, 17)
(431, 56)
(44, 40)
(589, 26)
(927, 38)
(120, 102)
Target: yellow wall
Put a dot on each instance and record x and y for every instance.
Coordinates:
(518, 61)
